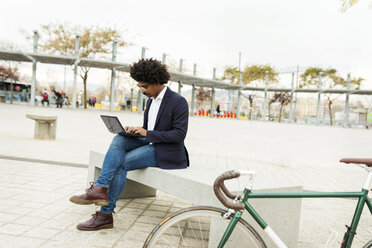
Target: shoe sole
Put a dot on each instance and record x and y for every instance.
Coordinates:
(87, 202)
(107, 226)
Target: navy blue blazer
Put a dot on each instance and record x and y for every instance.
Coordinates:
(169, 131)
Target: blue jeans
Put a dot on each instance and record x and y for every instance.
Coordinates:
(125, 154)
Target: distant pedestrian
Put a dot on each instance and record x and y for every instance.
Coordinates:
(59, 99)
(218, 110)
(45, 98)
(94, 102)
(128, 104)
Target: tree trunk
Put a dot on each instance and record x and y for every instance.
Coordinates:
(250, 108)
(11, 92)
(269, 111)
(85, 78)
(131, 99)
(330, 112)
(280, 112)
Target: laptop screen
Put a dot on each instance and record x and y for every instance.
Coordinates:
(112, 123)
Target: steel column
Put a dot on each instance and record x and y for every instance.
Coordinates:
(265, 95)
(212, 103)
(73, 103)
(295, 104)
(180, 82)
(193, 100)
(193, 94)
(33, 81)
(318, 104)
(164, 59)
(346, 113)
(238, 105)
(113, 77)
(140, 97)
(291, 104)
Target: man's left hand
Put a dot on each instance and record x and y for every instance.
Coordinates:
(139, 130)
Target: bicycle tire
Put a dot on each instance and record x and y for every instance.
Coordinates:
(368, 245)
(179, 230)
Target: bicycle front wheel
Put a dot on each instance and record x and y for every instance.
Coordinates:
(368, 245)
(201, 227)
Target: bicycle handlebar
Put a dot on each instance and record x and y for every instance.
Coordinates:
(219, 184)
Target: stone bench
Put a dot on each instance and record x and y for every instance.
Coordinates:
(2, 99)
(45, 126)
(195, 184)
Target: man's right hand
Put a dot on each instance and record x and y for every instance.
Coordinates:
(127, 129)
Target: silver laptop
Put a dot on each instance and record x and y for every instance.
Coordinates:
(114, 126)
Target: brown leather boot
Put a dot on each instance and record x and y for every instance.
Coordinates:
(94, 195)
(98, 221)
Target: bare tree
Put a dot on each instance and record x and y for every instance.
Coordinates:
(95, 42)
(283, 98)
(9, 73)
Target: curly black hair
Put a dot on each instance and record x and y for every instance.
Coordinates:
(149, 71)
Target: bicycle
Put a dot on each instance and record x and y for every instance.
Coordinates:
(204, 226)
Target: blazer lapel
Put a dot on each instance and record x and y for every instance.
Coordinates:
(146, 114)
(163, 104)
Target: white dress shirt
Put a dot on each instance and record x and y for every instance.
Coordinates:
(154, 109)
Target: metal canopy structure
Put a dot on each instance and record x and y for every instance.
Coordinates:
(181, 78)
(14, 56)
(106, 64)
(175, 76)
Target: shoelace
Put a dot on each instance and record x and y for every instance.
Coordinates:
(91, 186)
(95, 215)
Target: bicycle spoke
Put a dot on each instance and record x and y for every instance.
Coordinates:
(179, 229)
(201, 233)
(167, 242)
(192, 229)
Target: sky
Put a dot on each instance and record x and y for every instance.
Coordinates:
(283, 33)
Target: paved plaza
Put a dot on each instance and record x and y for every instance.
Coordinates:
(39, 176)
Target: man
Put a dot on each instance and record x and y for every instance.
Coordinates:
(161, 145)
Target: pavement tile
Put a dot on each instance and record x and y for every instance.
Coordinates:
(31, 205)
(158, 208)
(41, 232)
(29, 221)
(135, 235)
(133, 211)
(14, 229)
(149, 219)
(24, 242)
(152, 213)
(143, 227)
(128, 244)
(41, 213)
(136, 205)
(145, 200)
(59, 223)
(73, 237)
(104, 238)
(7, 217)
(4, 238)
(123, 224)
(17, 210)
(164, 203)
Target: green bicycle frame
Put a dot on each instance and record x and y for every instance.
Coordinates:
(362, 200)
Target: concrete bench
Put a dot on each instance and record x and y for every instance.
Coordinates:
(2, 99)
(195, 184)
(45, 126)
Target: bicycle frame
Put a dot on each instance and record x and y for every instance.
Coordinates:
(362, 200)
